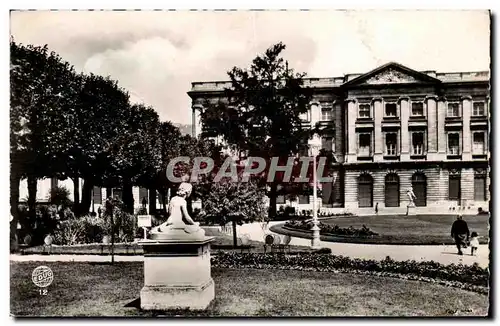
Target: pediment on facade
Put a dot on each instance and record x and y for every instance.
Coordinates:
(392, 73)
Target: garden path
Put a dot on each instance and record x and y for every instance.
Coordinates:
(446, 254)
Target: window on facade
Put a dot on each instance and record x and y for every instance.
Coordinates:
(304, 116)
(454, 187)
(280, 199)
(391, 141)
(478, 109)
(364, 110)
(97, 195)
(478, 143)
(453, 110)
(303, 199)
(326, 114)
(327, 143)
(364, 144)
(391, 110)
(417, 143)
(480, 187)
(454, 143)
(417, 109)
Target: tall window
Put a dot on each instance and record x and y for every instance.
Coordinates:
(327, 143)
(478, 143)
(364, 111)
(454, 187)
(478, 109)
(391, 110)
(326, 114)
(143, 194)
(391, 142)
(480, 187)
(417, 143)
(364, 145)
(417, 109)
(97, 195)
(453, 143)
(280, 199)
(453, 110)
(365, 191)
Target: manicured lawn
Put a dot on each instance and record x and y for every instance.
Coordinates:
(83, 289)
(416, 229)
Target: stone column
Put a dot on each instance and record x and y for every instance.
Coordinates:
(378, 140)
(196, 119)
(441, 133)
(432, 128)
(352, 113)
(405, 136)
(466, 133)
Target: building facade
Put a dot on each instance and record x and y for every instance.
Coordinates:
(392, 129)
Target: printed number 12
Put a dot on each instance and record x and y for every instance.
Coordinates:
(43, 291)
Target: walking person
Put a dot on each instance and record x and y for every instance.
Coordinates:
(460, 232)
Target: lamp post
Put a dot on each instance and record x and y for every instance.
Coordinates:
(314, 146)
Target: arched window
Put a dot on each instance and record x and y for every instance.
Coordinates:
(365, 191)
(392, 190)
(419, 185)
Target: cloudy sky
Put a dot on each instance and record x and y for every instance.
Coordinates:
(156, 55)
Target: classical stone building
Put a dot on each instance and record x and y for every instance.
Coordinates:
(394, 128)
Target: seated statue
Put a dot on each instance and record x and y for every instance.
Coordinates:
(179, 225)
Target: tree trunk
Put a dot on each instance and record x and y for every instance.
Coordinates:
(152, 201)
(86, 197)
(163, 198)
(32, 183)
(235, 238)
(128, 196)
(15, 180)
(76, 194)
(272, 201)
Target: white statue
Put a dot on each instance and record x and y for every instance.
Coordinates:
(411, 196)
(179, 224)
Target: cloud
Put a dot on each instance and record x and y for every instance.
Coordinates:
(157, 55)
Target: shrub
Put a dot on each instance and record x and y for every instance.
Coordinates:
(60, 196)
(474, 275)
(70, 232)
(331, 229)
(124, 224)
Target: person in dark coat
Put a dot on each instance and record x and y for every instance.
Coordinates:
(460, 232)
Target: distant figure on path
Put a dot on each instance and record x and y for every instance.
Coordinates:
(460, 232)
(376, 208)
(144, 202)
(474, 243)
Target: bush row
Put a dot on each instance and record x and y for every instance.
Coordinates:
(473, 276)
(331, 229)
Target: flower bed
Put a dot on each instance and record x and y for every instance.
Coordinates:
(327, 229)
(469, 277)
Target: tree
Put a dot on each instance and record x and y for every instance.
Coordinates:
(99, 120)
(236, 202)
(136, 153)
(261, 113)
(41, 89)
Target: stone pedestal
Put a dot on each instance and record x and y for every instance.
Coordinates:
(177, 274)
